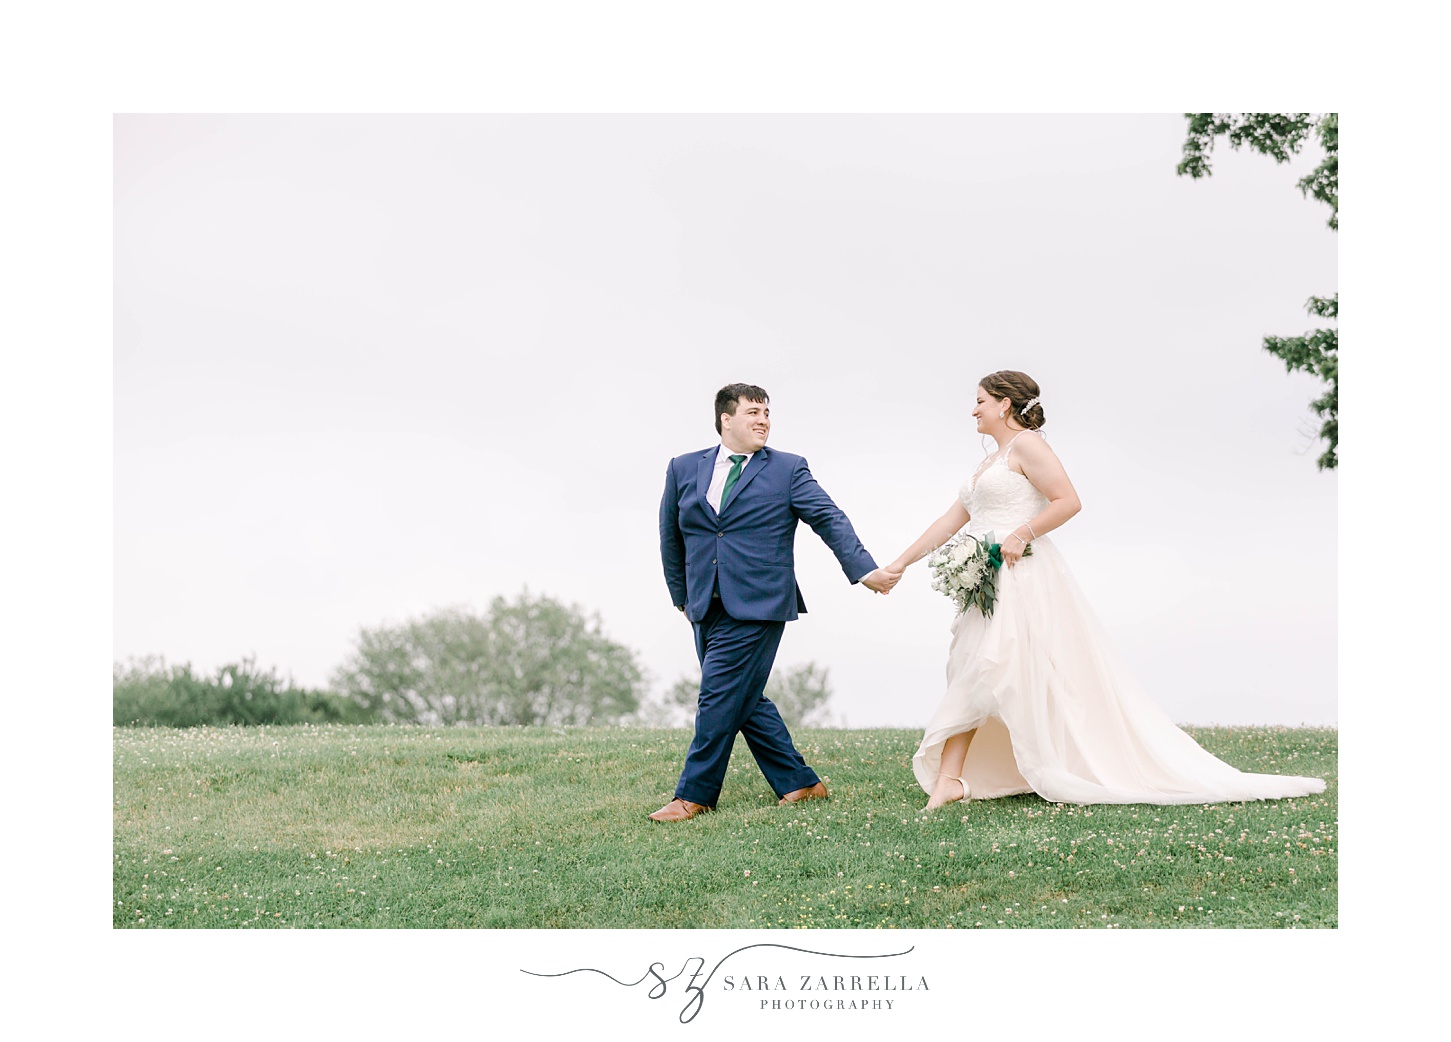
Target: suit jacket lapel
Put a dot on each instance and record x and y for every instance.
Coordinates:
(758, 461)
(704, 471)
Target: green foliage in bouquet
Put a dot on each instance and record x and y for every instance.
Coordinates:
(965, 569)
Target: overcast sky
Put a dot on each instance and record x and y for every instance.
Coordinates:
(366, 367)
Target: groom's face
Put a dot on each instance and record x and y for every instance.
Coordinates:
(749, 428)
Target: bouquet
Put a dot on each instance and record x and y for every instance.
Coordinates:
(966, 570)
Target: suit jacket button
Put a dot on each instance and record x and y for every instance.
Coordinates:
(720, 535)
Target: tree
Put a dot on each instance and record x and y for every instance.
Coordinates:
(1281, 135)
(532, 661)
(801, 694)
(676, 708)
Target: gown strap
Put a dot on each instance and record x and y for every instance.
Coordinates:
(1008, 449)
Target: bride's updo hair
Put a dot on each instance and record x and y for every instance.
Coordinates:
(1019, 389)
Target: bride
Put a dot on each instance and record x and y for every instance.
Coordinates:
(1036, 700)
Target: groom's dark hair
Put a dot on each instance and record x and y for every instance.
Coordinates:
(730, 395)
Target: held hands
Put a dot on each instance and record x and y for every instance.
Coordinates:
(881, 580)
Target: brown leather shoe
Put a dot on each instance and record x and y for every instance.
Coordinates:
(816, 792)
(679, 810)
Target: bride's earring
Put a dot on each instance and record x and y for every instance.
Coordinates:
(1002, 414)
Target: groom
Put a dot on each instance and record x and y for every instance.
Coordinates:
(727, 523)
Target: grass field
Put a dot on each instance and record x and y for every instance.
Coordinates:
(375, 826)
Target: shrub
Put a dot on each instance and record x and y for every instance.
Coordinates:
(148, 692)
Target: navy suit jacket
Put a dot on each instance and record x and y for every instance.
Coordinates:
(746, 553)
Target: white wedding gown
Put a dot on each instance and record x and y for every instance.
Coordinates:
(1056, 712)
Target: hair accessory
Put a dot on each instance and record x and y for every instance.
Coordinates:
(1031, 402)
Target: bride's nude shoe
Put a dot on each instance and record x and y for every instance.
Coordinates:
(966, 793)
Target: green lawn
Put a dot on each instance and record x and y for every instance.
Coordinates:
(374, 826)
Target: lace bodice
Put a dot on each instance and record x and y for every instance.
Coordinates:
(998, 498)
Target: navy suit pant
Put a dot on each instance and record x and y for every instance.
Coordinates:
(735, 662)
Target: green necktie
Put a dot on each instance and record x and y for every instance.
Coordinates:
(731, 480)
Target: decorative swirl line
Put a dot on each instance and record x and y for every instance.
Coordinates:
(697, 991)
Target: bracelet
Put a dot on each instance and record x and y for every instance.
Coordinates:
(1030, 530)
(1019, 538)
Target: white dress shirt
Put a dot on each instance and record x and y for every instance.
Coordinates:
(723, 466)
